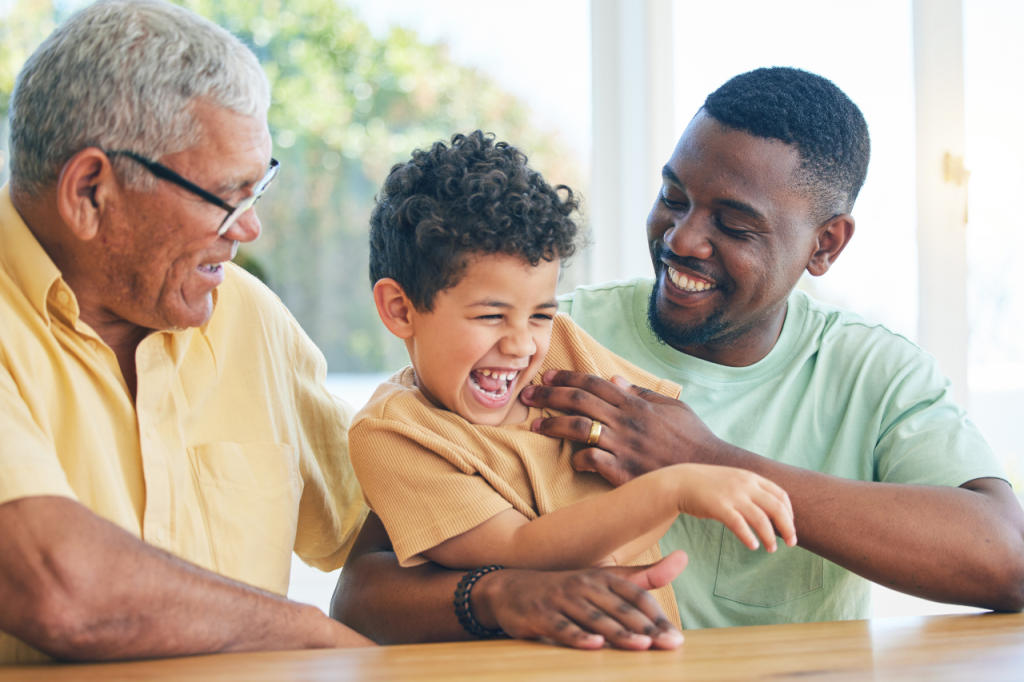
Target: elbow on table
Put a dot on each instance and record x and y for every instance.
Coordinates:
(59, 629)
(1005, 578)
(1011, 597)
(65, 612)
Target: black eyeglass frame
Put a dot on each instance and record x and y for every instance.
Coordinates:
(234, 212)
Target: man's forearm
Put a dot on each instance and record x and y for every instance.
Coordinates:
(77, 587)
(393, 605)
(957, 545)
(585, 609)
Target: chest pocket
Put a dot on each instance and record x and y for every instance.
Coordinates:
(763, 579)
(250, 495)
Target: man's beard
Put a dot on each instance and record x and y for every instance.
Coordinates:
(682, 336)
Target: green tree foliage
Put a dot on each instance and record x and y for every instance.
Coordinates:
(346, 106)
(21, 30)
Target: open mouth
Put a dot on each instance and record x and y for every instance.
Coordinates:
(211, 274)
(687, 283)
(492, 387)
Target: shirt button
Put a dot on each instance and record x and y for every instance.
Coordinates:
(160, 534)
(93, 344)
(63, 297)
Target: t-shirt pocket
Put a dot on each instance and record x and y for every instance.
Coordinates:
(758, 578)
(250, 494)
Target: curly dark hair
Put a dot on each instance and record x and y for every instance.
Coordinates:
(810, 112)
(447, 203)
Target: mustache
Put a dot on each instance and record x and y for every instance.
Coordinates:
(663, 254)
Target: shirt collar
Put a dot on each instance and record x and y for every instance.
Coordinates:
(29, 266)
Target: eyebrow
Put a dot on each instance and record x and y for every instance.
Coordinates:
(740, 206)
(669, 175)
(746, 209)
(493, 303)
(234, 184)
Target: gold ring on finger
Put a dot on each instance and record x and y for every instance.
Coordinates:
(595, 432)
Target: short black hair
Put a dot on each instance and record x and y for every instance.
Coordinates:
(476, 196)
(809, 112)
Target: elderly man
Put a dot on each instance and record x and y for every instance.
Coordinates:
(889, 480)
(166, 439)
(150, 390)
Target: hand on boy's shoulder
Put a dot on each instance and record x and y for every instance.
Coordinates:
(574, 350)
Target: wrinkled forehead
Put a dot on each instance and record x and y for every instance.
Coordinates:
(232, 150)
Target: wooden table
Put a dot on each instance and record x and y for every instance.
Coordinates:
(965, 647)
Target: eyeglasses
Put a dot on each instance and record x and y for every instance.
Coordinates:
(234, 212)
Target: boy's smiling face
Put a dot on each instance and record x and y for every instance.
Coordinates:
(485, 338)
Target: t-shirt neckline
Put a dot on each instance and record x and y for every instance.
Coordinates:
(703, 371)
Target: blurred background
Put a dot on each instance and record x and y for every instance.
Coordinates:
(596, 92)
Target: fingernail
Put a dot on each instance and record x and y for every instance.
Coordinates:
(535, 426)
(643, 640)
(671, 638)
(527, 392)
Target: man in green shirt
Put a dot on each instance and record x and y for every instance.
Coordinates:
(888, 478)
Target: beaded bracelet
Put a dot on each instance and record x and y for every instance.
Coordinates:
(462, 609)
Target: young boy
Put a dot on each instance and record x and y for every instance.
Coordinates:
(466, 246)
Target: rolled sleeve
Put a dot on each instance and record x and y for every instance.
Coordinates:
(29, 465)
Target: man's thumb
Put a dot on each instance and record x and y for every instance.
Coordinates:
(660, 574)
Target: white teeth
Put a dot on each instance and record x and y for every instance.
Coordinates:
(502, 390)
(508, 378)
(687, 284)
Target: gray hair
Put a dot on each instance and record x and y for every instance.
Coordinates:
(123, 74)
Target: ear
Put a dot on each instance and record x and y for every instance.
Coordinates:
(83, 190)
(832, 238)
(394, 307)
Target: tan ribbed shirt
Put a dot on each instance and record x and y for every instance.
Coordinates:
(232, 455)
(430, 475)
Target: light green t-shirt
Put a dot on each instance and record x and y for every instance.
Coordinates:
(837, 394)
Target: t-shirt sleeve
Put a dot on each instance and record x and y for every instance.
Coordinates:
(926, 438)
(29, 466)
(419, 486)
(331, 509)
(573, 348)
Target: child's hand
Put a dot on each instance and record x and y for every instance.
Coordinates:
(738, 498)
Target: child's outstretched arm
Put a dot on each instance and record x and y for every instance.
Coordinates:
(583, 534)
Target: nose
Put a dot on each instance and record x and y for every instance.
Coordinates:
(246, 228)
(688, 236)
(518, 342)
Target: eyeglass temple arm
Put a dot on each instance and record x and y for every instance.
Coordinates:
(169, 175)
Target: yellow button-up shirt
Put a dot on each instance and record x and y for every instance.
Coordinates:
(232, 455)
